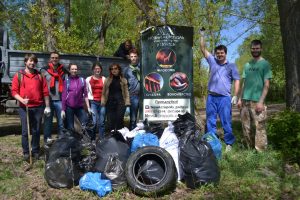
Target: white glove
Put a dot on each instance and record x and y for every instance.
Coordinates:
(202, 31)
(127, 111)
(234, 100)
(63, 114)
(47, 111)
(90, 111)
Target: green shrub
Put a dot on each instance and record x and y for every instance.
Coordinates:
(284, 134)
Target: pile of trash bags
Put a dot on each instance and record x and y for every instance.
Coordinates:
(149, 159)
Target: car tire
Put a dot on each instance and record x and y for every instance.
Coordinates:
(166, 184)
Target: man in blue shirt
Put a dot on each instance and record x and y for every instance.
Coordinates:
(222, 74)
(133, 76)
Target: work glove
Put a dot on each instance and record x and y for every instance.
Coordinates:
(63, 114)
(47, 111)
(127, 111)
(234, 100)
(202, 31)
(90, 111)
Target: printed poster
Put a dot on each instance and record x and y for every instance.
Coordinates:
(167, 72)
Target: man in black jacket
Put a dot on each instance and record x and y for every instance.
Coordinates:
(123, 50)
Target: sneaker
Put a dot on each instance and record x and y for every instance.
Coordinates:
(26, 157)
(49, 140)
(228, 148)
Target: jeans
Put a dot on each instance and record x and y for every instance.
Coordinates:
(80, 114)
(98, 117)
(55, 105)
(115, 115)
(219, 105)
(35, 118)
(134, 108)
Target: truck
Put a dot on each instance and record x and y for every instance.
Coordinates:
(11, 61)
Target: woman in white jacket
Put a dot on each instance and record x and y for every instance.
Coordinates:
(95, 85)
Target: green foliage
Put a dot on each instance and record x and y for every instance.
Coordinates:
(270, 36)
(284, 134)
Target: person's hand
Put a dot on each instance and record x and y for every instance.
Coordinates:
(90, 111)
(239, 104)
(234, 100)
(63, 114)
(259, 107)
(127, 111)
(202, 31)
(47, 111)
(25, 101)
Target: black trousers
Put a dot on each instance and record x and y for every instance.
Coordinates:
(115, 111)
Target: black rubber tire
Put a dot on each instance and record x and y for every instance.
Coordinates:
(165, 160)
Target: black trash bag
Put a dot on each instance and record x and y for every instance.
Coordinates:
(156, 128)
(68, 144)
(62, 161)
(62, 173)
(115, 171)
(107, 147)
(198, 163)
(118, 136)
(151, 172)
(183, 124)
(87, 163)
(89, 129)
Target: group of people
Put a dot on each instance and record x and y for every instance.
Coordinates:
(55, 89)
(250, 97)
(60, 91)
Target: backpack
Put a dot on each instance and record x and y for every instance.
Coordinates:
(21, 76)
(68, 82)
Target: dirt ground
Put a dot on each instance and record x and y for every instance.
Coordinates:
(10, 128)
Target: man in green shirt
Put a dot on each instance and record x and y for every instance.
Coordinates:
(256, 74)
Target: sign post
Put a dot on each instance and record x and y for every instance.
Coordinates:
(167, 72)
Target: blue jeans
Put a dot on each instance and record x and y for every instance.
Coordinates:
(98, 117)
(80, 114)
(219, 105)
(55, 105)
(35, 118)
(134, 108)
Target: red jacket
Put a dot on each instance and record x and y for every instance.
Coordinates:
(32, 86)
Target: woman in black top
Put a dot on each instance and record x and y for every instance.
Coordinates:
(115, 97)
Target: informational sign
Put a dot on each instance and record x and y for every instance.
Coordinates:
(167, 72)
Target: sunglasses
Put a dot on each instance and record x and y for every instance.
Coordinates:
(114, 68)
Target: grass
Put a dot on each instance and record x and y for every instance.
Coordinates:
(245, 174)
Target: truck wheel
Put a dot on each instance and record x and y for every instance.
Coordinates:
(167, 179)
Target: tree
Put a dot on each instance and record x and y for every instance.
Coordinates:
(289, 12)
(267, 19)
(48, 23)
(67, 20)
(151, 16)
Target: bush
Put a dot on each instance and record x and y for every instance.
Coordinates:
(284, 134)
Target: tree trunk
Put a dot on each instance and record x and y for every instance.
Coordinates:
(289, 12)
(67, 22)
(47, 20)
(104, 25)
(151, 16)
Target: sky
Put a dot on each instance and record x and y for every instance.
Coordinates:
(241, 32)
